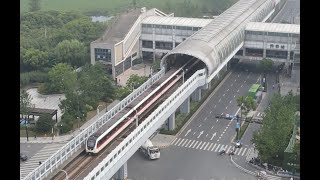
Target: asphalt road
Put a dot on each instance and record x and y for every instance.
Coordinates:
(290, 10)
(31, 149)
(194, 154)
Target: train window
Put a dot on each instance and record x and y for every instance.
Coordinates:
(110, 160)
(144, 126)
(127, 144)
(115, 156)
(97, 174)
(92, 178)
(123, 148)
(102, 168)
(119, 152)
(130, 140)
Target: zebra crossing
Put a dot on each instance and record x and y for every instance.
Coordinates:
(29, 165)
(208, 146)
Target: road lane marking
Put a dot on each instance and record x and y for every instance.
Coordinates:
(240, 151)
(203, 145)
(194, 133)
(177, 141)
(184, 142)
(223, 94)
(205, 119)
(241, 85)
(213, 146)
(188, 143)
(234, 96)
(235, 80)
(236, 150)
(249, 151)
(238, 75)
(217, 148)
(195, 144)
(209, 146)
(199, 145)
(226, 107)
(238, 90)
(217, 120)
(207, 135)
(213, 135)
(231, 84)
(230, 102)
(180, 142)
(210, 112)
(192, 143)
(227, 90)
(200, 134)
(174, 141)
(215, 106)
(199, 125)
(245, 81)
(228, 149)
(243, 152)
(188, 132)
(219, 100)
(212, 127)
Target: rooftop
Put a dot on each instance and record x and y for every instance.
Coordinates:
(176, 21)
(273, 27)
(118, 30)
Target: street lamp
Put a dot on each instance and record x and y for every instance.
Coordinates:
(67, 177)
(182, 76)
(27, 130)
(78, 122)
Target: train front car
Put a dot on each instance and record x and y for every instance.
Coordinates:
(91, 144)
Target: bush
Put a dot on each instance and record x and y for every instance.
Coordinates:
(44, 124)
(33, 77)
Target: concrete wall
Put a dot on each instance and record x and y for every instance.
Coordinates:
(118, 52)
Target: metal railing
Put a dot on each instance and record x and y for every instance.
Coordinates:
(110, 165)
(77, 142)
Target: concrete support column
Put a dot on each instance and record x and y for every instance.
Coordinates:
(185, 106)
(264, 53)
(244, 52)
(196, 95)
(172, 121)
(122, 173)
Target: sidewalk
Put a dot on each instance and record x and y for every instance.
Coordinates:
(162, 140)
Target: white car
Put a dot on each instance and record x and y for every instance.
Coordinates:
(238, 144)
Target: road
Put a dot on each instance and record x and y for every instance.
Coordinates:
(290, 10)
(194, 154)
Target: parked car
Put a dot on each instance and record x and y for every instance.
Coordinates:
(23, 157)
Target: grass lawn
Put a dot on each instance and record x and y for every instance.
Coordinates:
(98, 5)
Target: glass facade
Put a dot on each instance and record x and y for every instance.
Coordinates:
(102, 54)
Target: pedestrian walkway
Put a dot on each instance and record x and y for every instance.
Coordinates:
(208, 146)
(138, 69)
(47, 151)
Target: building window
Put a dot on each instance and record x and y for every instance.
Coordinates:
(282, 46)
(277, 46)
(102, 54)
(271, 46)
(147, 44)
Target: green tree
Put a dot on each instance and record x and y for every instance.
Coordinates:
(266, 65)
(34, 59)
(135, 81)
(66, 123)
(71, 52)
(62, 79)
(74, 105)
(274, 135)
(241, 103)
(122, 92)
(95, 84)
(25, 102)
(34, 5)
(44, 124)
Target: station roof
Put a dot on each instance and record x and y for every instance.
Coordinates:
(273, 27)
(213, 43)
(118, 30)
(176, 21)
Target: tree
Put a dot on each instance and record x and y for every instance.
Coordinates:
(74, 105)
(44, 124)
(266, 65)
(34, 58)
(135, 81)
(274, 135)
(62, 79)
(34, 5)
(241, 103)
(71, 52)
(25, 102)
(122, 92)
(95, 84)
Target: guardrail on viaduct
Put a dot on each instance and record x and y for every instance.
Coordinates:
(77, 142)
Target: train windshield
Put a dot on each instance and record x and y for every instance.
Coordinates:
(154, 151)
(91, 142)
